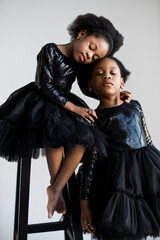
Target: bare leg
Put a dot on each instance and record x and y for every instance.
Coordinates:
(69, 165)
(54, 159)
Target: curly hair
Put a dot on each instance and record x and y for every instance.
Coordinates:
(85, 74)
(99, 26)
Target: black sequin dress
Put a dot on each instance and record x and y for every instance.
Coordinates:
(33, 117)
(124, 187)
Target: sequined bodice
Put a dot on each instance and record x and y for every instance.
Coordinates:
(55, 73)
(124, 126)
(125, 129)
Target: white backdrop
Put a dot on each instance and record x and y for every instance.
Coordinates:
(25, 27)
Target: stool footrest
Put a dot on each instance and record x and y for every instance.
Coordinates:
(46, 227)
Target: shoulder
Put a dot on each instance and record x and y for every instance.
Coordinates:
(49, 46)
(135, 104)
(48, 49)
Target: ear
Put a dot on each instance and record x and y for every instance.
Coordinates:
(122, 83)
(82, 34)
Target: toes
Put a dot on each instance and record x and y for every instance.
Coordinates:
(50, 212)
(50, 215)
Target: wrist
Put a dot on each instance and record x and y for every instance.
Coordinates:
(84, 203)
(70, 106)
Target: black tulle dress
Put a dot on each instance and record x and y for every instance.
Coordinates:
(33, 117)
(124, 187)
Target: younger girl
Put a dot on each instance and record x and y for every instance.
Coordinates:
(121, 193)
(45, 115)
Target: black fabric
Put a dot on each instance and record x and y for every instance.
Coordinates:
(33, 117)
(124, 188)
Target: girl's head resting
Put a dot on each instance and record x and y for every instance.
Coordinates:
(106, 76)
(94, 37)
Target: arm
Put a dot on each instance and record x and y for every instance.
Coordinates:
(45, 78)
(45, 75)
(144, 125)
(87, 172)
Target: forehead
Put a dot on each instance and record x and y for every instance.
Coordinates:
(100, 42)
(106, 63)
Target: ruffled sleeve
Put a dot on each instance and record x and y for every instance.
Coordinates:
(87, 173)
(45, 78)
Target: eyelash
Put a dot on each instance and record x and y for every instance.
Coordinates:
(103, 73)
(99, 73)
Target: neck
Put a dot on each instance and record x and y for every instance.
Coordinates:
(67, 49)
(109, 101)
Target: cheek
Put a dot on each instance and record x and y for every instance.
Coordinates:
(96, 83)
(80, 45)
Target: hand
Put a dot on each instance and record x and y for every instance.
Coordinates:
(86, 218)
(88, 114)
(125, 96)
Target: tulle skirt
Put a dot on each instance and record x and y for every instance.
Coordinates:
(30, 122)
(125, 196)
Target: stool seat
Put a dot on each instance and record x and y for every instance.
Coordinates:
(69, 222)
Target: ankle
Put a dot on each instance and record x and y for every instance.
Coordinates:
(52, 180)
(56, 189)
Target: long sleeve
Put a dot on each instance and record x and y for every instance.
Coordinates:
(45, 75)
(144, 125)
(87, 173)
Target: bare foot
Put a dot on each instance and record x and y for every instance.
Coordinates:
(61, 206)
(53, 196)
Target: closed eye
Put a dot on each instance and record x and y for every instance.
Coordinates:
(96, 57)
(99, 73)
(92, 46)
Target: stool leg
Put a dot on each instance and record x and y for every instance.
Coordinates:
(75, 212)
(22, 199)
(72, 217)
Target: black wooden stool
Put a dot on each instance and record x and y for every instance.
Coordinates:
(69, 222)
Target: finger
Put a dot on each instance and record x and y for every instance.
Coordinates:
(128, 99)
(93, 113)
(90, 118)
(88, 230)
(127, 92)
(87, 115)
(87, 119)
(84, 225)
(91, 226)
(87, 227)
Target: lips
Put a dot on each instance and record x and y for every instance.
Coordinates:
(107, 84)
(83, 58)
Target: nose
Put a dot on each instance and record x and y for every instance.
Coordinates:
(89, 55)
(106, 76)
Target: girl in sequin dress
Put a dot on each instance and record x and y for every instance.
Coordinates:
(121, 192)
